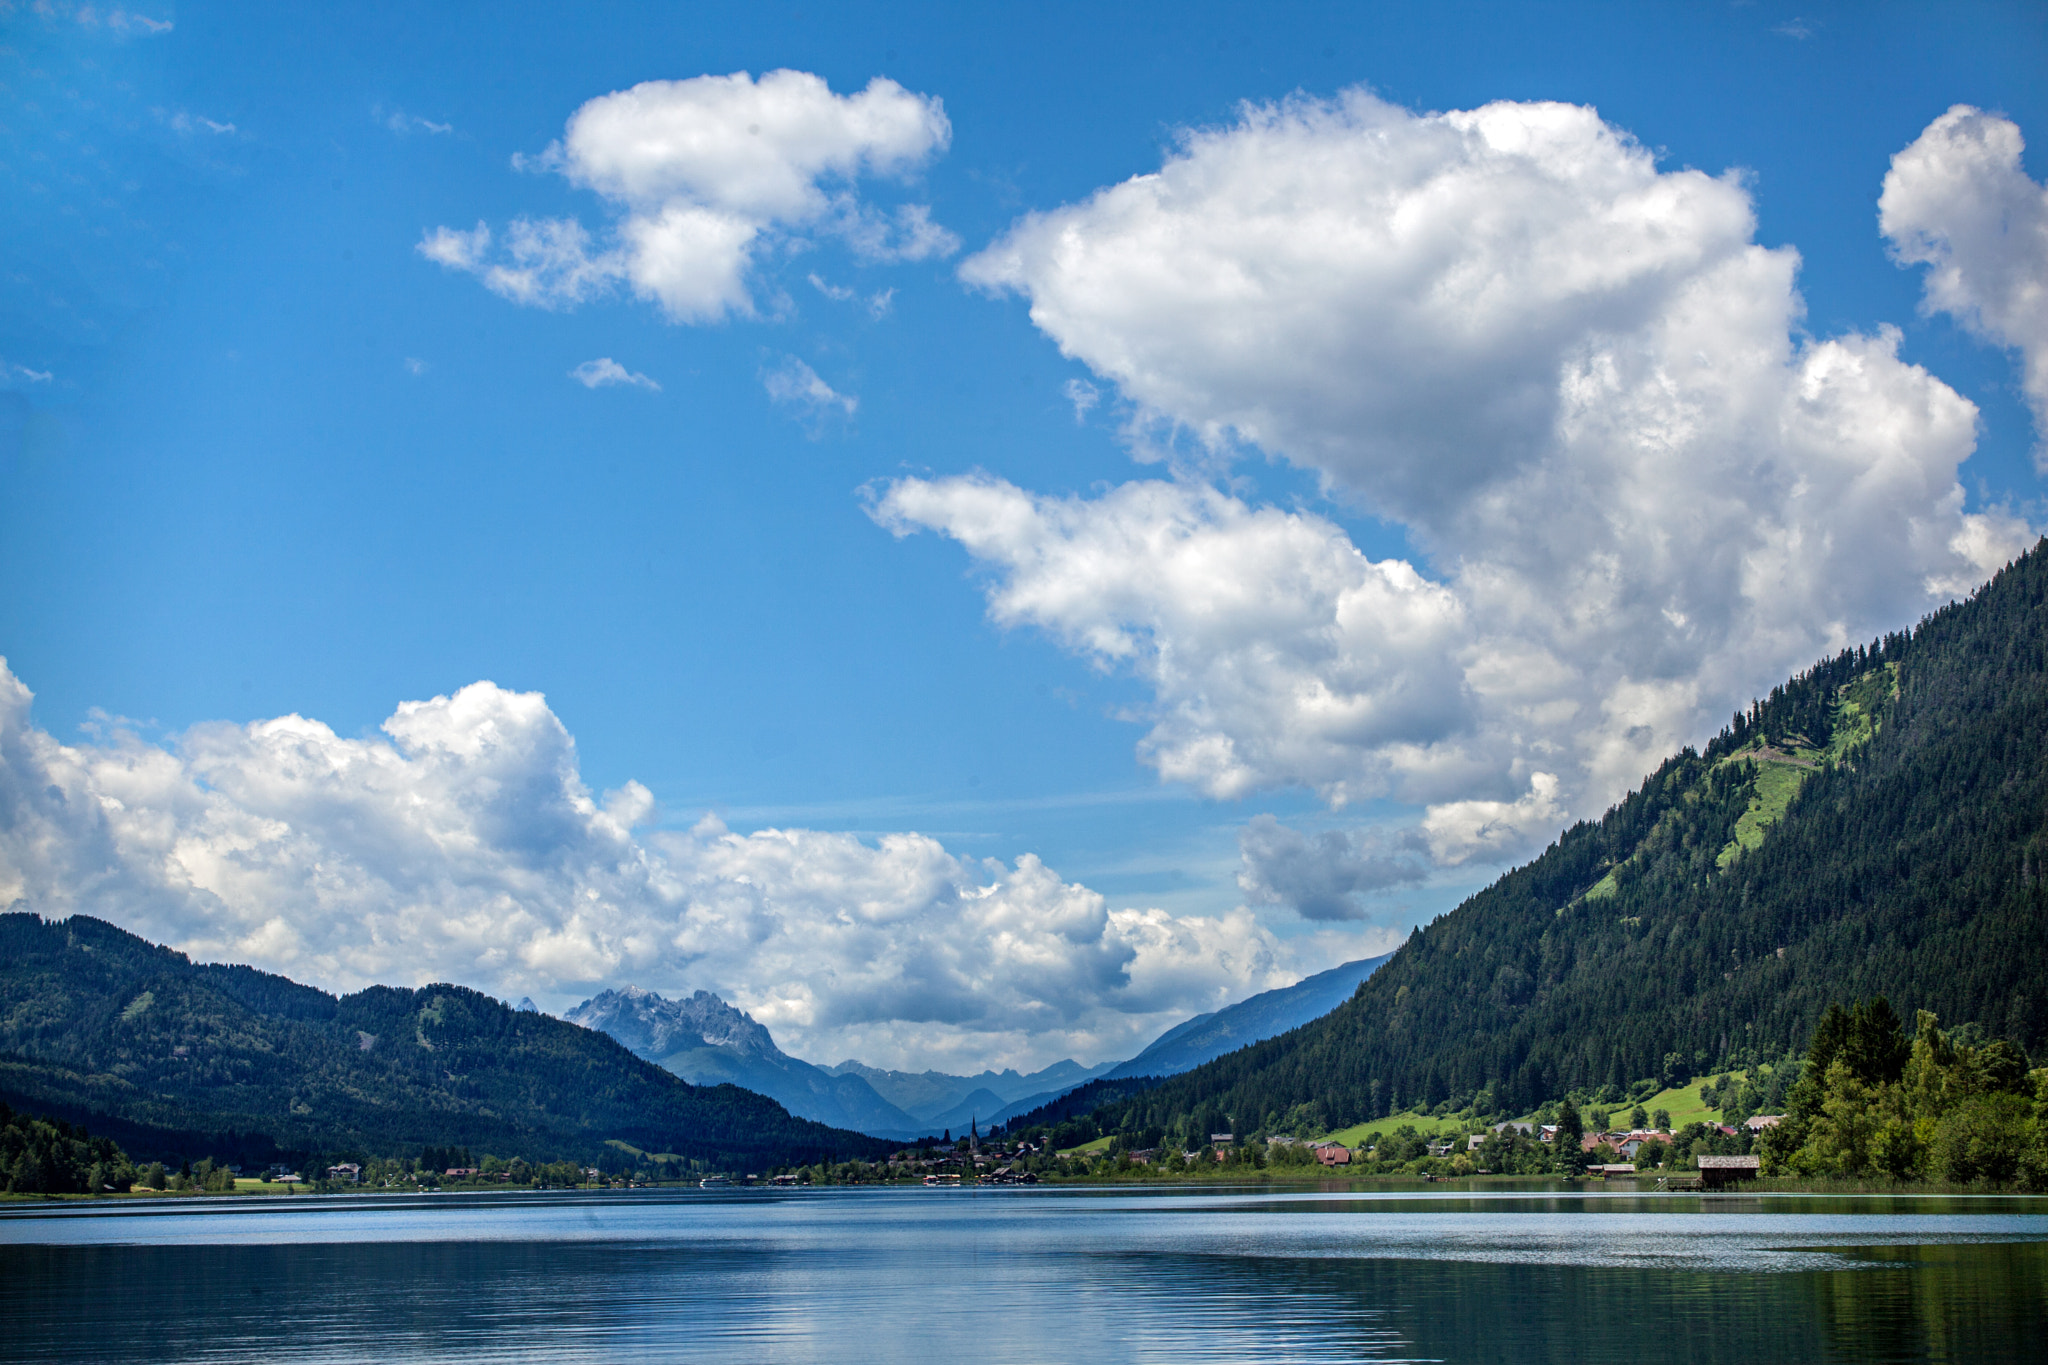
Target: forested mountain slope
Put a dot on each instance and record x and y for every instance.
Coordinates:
(1877, 826)
(140, 1042)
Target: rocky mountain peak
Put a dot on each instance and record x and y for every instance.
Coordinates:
(655, 1027)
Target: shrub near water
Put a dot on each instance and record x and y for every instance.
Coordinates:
(1952, 1107)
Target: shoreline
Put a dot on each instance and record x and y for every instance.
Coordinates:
(1261, 1182)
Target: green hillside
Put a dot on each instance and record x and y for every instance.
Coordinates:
(1876, 826)
(173, 1058)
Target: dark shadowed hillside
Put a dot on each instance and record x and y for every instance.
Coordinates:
(101, 1026)
(1877, 826)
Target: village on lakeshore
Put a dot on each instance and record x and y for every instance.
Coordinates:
(1705, 1154)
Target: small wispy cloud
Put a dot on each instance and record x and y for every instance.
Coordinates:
(180, 121)
(21, 376)
(796, 386)
(877, 303)
(1796, 27)
(415, 366)
(91, 16)
(837, 292)
(456, 249)
(1083, 395)
(605, 372)
(126, 21)
(546, 262)
(404, 124)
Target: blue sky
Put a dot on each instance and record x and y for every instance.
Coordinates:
(262, 456)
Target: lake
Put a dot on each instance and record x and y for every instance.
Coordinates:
(1026, 1275)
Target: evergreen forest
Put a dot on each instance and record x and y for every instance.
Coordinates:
(40, 1155)
(1951, 1106)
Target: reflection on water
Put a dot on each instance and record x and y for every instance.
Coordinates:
(997, 1276)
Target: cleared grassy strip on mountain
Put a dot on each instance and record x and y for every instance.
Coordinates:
(1776, 785)
(1780, 774)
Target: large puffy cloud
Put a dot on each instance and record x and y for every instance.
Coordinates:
(1386, 297)
(1959, 202)
(703, 172)
(1572, 377)
(463, 845)
(1273, 645)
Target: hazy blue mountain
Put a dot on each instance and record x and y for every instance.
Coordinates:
(708, 1042)
(936, 1098)
(942, 1101)
(977, 1106)
(1266, 1015)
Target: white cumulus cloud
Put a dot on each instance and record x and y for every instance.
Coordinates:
(1636, 491)
(702, 173)
(1958, 202)
(604, 371)
(1276, 651)
(462, 844)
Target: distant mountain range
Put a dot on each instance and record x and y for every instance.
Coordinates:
(176, 1059)
(708, 1042)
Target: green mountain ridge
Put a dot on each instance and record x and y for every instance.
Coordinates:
(1878, 825)
(177, 1059)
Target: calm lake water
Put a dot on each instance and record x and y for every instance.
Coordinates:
(1001, 1275)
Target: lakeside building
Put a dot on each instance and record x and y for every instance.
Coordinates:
(1719, 1172)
